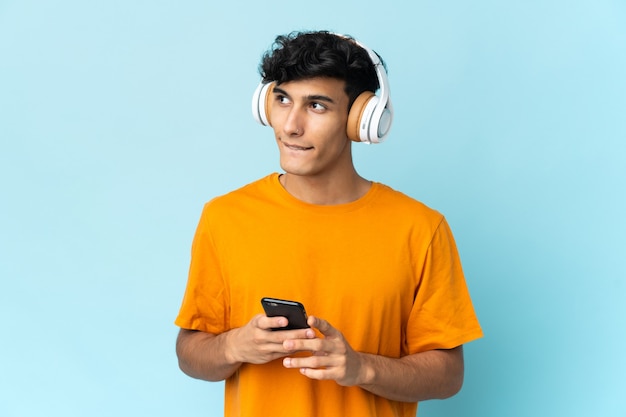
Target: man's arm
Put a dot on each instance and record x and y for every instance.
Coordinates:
(213, 357)
(435, 374)
(204, 355)
(421, 376)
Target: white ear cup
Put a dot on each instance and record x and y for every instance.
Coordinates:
(374, 120)
(380, 123)
(259, 103)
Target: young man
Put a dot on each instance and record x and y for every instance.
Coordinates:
(377, 270)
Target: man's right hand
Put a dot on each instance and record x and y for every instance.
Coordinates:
(214, 357)
(257, 343)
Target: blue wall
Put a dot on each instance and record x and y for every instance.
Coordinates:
(118, 119)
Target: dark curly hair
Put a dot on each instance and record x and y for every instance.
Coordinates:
(304, 55)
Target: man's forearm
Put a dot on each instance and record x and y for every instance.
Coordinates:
(435, 374)
(204, 355)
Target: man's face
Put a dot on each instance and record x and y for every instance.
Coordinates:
(309, 118)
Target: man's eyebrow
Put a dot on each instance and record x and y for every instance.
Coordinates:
(316, 97)
(312, 97)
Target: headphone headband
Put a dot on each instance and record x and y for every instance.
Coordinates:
(370, 117)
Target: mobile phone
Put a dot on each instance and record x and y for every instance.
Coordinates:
(292, 310)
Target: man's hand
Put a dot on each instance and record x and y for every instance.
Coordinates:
(257, 343)
(216, 357)
(332, 358)
(420, 376)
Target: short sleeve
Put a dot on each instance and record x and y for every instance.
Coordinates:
(205, 302)
(442, 316)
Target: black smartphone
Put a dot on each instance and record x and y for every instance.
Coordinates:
(293, 310)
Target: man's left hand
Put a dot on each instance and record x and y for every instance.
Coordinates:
(332, 358)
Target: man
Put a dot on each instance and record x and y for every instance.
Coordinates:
(377, 270)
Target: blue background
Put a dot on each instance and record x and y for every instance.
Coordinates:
(119, 119)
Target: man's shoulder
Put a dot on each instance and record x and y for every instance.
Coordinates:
(398, 200)
(257, 189)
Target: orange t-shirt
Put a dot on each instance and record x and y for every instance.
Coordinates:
(384, 270)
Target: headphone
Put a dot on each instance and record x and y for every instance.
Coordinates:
(370, 116)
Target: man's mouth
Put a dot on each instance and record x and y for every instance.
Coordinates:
(296, 147)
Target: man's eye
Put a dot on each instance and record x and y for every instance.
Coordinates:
(318, 106)
(282, 99)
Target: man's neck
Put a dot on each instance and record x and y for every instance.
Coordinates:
(325, 191)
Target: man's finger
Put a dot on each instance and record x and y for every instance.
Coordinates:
(266, 323)
(323, 326)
